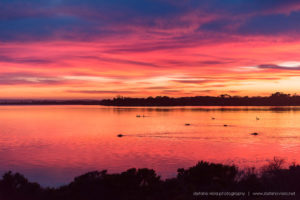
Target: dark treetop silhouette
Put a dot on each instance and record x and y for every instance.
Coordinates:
(140, 184)
(276, 99)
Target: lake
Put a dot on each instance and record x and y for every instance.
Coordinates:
(53, 144)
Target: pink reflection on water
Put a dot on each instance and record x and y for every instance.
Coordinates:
(53, 144)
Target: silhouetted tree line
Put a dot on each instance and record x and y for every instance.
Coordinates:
(276, 99)
(145, 184)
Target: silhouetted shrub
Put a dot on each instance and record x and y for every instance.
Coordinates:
(137, 184)
(16, 186)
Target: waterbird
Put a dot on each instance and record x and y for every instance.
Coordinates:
(225, 125)
(213, 118)
(120, 135)
(138, 115)
(187, 124)
(254, 133)
(257, 118)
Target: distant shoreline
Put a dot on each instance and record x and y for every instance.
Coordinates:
(276, 99)
(140, 106)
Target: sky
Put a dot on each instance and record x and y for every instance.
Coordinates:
(94, 49)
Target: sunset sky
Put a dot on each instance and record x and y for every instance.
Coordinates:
(88, 49)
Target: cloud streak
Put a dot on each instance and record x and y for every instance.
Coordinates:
(28, 79)
(273, 66)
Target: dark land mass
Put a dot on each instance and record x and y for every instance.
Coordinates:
(276, 99)
(203, 181)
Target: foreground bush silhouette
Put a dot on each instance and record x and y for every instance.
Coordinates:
(16, 186)
(140, 184)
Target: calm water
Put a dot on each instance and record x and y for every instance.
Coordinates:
(53, 144)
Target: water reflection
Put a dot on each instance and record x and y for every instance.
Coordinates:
(52, 144)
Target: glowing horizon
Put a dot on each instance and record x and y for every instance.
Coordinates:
(96, 49)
